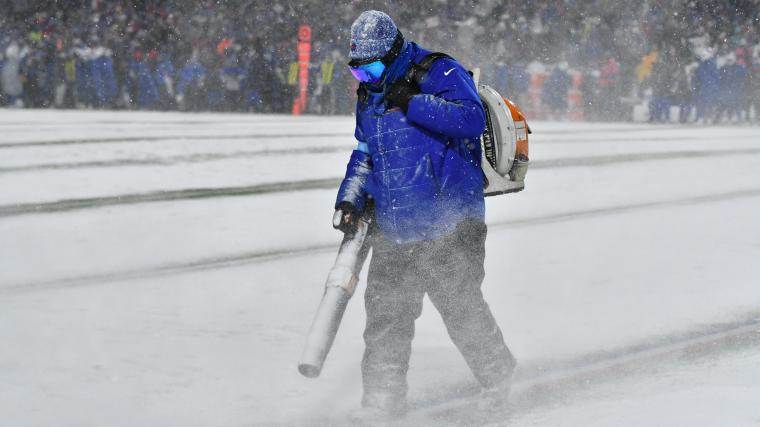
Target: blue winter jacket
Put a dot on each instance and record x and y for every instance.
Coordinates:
(422, 169)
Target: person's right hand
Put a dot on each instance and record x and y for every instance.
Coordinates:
(346, 218)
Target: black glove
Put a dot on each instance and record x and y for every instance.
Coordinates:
(346, 218)
(400, 93)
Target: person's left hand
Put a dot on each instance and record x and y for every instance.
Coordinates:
(346, 218)
(400, 93)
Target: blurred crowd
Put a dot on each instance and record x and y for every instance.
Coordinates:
(596, 59)
(159, 54)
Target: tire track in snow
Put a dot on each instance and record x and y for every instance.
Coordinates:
(253, 121)
(328, 149)
(155, 138)
(180, 159)
(166, 196)
(324, 183)
(610, 159)
(595, 129)
(276, 254)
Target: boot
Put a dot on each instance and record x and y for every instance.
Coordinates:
(379, 409)
(495, 399)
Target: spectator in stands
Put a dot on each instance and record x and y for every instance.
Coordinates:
(103, 77)
(11, 79)
(141, 76)
(753, 93)
(609, 89)
(232, 77)
(707, 79)
(164, 78)
(191, 84)
(682, 94)
(662, 84)
(84, 89)
(732, 88)
(555, 91)
(74, 72)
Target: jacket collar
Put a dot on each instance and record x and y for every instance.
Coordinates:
(398, 68)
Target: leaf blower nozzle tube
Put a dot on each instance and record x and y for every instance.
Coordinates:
(323, 330)
(340, 286)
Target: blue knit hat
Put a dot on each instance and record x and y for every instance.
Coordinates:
(372, 35)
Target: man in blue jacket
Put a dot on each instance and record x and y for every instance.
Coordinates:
(418, 161)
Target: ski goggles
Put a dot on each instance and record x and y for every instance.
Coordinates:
(371, 72)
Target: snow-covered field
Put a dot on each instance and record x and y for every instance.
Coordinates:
(163, 269)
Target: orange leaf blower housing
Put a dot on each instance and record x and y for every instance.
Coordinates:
(504, 144)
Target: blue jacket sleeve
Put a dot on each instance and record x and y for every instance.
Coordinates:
(449, 104)
(353, 187)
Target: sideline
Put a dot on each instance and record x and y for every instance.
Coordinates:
(329, 149)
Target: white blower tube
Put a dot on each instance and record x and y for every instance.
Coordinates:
(340, 286)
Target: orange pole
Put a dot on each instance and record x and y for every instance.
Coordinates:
(575, 98)
(304, 57)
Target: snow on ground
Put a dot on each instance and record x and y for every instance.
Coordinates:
(192, 311)
(713, 391)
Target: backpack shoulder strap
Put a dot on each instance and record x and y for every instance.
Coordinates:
(361, 93)
(417, 71)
